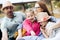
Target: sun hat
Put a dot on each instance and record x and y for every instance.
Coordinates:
(6, 4)
(42, 16)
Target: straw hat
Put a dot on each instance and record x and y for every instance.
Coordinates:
(6, 4)
(42, 16)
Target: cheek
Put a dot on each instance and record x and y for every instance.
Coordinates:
(33, 17)
(27, 17)
(12, 10)
(35, 12)
(39, 10)
(5, 11)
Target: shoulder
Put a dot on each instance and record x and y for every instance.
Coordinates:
(26, 21)
(49, 25)
(4, 19)
(19, 13)
(55, 19)
(3, 22)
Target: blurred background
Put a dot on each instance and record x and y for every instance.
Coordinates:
(22, 5)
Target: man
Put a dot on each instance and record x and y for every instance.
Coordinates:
(0, 34)
(11, 21)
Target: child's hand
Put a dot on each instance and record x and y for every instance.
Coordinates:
(33, 33)
(18, 37)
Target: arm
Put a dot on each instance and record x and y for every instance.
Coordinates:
(4, 31)
(32, 33)
(19, 33)
(20, 30)
(28, 27)
(4, 35)
(56, 25)
(44, 33)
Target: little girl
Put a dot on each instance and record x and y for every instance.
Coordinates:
(49, 28)
(30, 24)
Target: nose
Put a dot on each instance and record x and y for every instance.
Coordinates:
(9, 9)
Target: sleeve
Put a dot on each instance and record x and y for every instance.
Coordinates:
(53, 19)
(3, 26)
(20, 26)
(49, 25)
(20, 14)
(57, 19)
(23, 15)
(27, 26)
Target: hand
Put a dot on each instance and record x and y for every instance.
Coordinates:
(18, 37)
(33, 33)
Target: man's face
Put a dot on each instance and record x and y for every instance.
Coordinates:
(8, 10)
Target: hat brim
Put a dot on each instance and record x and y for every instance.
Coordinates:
(7, 6)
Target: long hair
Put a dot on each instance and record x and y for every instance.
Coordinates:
(44, 7)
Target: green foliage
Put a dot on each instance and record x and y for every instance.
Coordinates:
(57, 3)
(57, 0)
(29, 5)
(19, 7)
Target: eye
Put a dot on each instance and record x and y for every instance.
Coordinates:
(28, 16)
(6, 8)
(11, 7)
(32, 15)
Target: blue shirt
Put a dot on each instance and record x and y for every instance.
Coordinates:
(11, 24)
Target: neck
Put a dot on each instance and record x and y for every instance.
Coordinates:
(32, 21)
(11, 16)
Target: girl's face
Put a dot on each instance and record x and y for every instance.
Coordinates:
(30, 16)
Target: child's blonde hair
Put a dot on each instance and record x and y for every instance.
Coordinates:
(30, 10)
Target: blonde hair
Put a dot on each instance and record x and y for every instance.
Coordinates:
(30, 10)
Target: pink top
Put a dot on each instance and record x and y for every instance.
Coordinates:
(28, 26)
